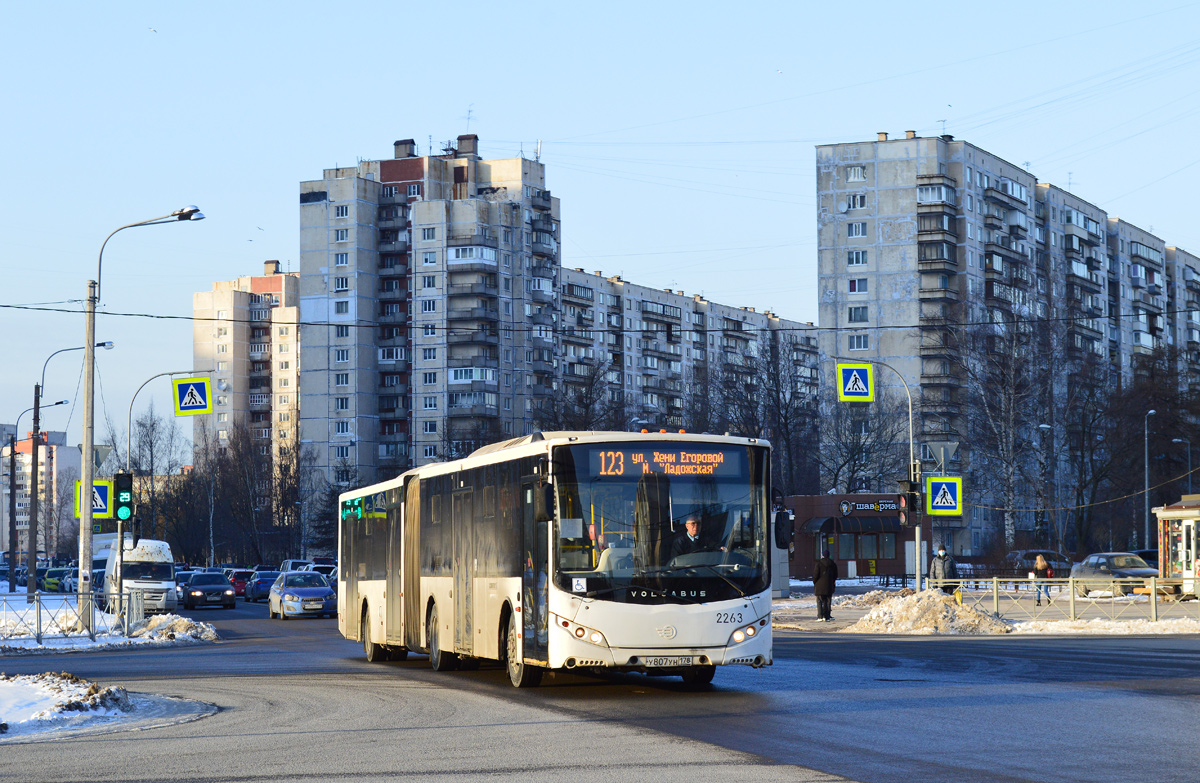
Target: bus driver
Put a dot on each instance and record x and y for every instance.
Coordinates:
(691, 542)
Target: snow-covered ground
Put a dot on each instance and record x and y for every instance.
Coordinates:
(933, 612)
(163, 630)
(50, 706)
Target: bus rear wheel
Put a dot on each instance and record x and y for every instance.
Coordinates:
(439, 659)
(699, 675)
(374, 652)
(520, 673)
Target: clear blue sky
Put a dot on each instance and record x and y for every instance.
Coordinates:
(678, 136)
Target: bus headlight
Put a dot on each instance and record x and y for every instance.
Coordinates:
(748, 631)
(580, 632)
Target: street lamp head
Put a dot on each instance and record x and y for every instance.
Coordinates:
(190, 212)
(107, 345)
(1045, 427)
(1178, 440)
(60, 402)
(1151, 412)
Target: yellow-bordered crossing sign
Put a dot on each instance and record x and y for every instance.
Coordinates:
(193, 396)
(856, 383)
(943, 496)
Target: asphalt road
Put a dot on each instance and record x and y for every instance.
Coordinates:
(298, 702)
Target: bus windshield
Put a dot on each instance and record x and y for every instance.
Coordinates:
(666, 522)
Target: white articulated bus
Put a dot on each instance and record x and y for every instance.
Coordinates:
(565, 550)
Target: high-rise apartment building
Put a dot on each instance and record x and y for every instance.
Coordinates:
(58, 470)
(922, 240)
(246, 331)
(427, 296)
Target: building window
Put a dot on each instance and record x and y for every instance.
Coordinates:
(429, 281)
(856, 229)
(341, 403)
(283, 399)
(429, 354)
(858, 285)
(429, 330)
(431, 451)
(222, 417)
(856, 174)
(285, 382)
(859, 342)
(429, 259)
(222, 314)
(283, 331)
(856, 201)
(341, 379)
(341, 235)
(430, 426)
(341, 308)
(858, 315)
(429, 378)
(414, 190)
(342, 452)
(222, 349)
(429, 403)
(341, 331)
(856, 258)
(222, 365)
(428, 233)
(342, 210)
(428, 305)
(282, 348)
(341, 427)
(341, 355)
(285, 365)
(341, 284)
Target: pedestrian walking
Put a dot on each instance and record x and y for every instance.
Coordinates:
(824, 579)
(941, 569)
(1041, 572)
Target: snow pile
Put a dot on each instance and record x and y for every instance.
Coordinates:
(172, 627)
(928, 612)
(37, 702)
(868, 600)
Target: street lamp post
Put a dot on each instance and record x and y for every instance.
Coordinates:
(1146, 485)
(1045, 429)
(36, 443)
(89, 372)
(1189, 453)
(12, 505)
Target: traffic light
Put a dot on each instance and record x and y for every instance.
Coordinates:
(909, 503)
(123, 496)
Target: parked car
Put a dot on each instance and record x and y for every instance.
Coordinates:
(1149, 555)
(297, 593)
(52, 582)
(181, 578)
(324, 561)
(293, 565)
(259, 585)
(1023, 560)
(1097, 571)
(327, 571)
(206, 589)
(238, 579)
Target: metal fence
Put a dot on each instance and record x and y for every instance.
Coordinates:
(62, 616)
(1076, 599)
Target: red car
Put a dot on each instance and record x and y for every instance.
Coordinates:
(238, 580)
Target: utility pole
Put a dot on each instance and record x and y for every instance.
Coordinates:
(12, 512)
(31, 580)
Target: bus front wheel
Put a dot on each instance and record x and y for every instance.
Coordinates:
(374, 652)
(520, 674)
(699, 675)
(439, 659)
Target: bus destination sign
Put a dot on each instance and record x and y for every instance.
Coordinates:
(670, 460)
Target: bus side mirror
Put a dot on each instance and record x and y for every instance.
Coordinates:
(784, 528)
(543, 502)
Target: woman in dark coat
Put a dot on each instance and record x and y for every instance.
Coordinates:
(824, 578)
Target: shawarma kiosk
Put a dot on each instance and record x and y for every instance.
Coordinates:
(1178, 542)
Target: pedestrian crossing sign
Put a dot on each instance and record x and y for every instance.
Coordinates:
(102, 492)
(192, 396)
(943, 496)
(856, 383)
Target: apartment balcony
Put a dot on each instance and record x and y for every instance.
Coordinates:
(1193, 284)
(544, 270)
(937, 351)
(1154, 288)
(999, 196)
(473, 412)
(543, 249)
(1138, 250)
(1094, 263)
(392, 223)
(541, 342)
(938, 295)
(472, 314)
(541, 296)
(484, 265)
(543, 367)
(472, 289)
(660, 350)
(398, 198)
(473, 337)
(1149, 301)
(541, 200)
(398, 246)
(398, 317)
(474, 360)
(940, 379)
(1086, 328)
(941, 407)
(260, 350)
(1006, 249)
(543, 224)
(1087, 282)
(478, 239)
(541, 390)
(542, 319)
(474, 386)
(578, 335)
(993, 221)
(395, 388)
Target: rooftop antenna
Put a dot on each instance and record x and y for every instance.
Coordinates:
(1069, 173)
(469, 112)
(1027, 165)
(431, 144)
(538, 155)
(943, 122)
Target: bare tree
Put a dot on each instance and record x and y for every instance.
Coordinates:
(863, 446)
(583, 401)
(788, 391)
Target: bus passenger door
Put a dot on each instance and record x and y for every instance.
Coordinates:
(535, 579)
(348, 594)
(1188, 556)
(464, 572)
(393, 585)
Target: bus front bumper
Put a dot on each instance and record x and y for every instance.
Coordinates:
(567, 651)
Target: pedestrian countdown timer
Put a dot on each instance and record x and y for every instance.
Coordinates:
(192, 396)
(123, 496)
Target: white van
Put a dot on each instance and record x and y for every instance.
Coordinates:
(148, 568)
